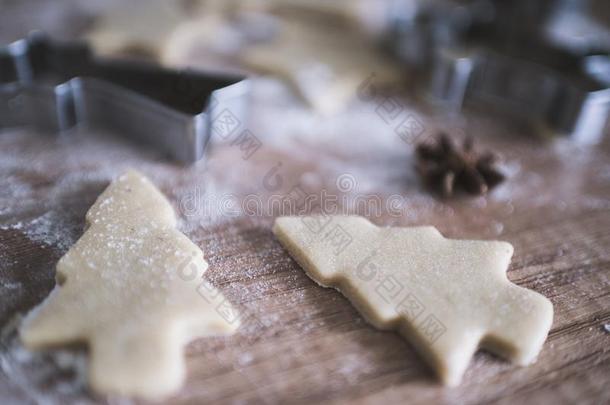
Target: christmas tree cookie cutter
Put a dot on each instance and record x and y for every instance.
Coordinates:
(55, 86)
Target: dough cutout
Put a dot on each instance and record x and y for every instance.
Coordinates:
(132, 288)
(321, 65)
(447, 297)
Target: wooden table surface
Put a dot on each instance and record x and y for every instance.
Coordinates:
(301, 343)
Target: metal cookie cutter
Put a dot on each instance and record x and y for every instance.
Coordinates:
(56, 86)
(473, 53)
(574, 101)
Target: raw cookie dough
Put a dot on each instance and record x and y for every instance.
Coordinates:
(132, 288)
(322, 64)
(137, 25)
(447, 297)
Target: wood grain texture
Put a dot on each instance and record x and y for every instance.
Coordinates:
(301, 343)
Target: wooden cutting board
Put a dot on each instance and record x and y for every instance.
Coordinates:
(301, 342)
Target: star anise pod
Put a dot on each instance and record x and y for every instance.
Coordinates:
(446, 167)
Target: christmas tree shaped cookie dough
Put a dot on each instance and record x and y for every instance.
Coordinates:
(131, 287)
(447, 297)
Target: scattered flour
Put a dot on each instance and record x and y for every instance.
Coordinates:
(52, 377)
(51, 229)
(48, 183)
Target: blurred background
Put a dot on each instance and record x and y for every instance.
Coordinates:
(542, 63)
